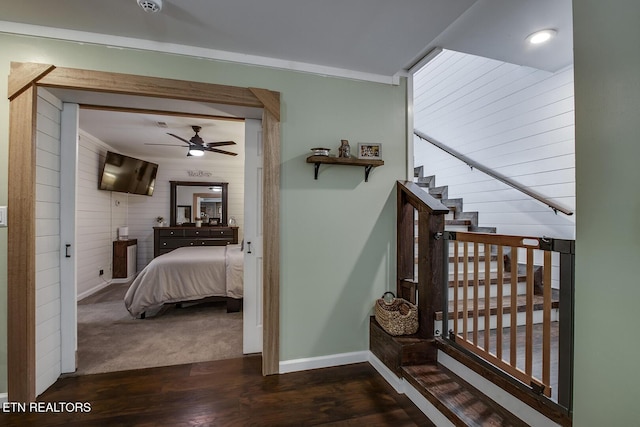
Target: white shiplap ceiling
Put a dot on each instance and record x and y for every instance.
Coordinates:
(363, 39)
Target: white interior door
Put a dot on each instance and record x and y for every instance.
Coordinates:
(68, 274)
(252, 317)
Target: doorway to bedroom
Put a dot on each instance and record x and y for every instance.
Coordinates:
(27, 374)
(109, 337)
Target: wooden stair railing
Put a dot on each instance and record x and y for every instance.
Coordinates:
(413, 201)
(423, 278)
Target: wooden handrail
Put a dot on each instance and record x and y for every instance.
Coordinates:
(418, 197)
(475, 165)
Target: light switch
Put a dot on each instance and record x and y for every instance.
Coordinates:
(3, 216)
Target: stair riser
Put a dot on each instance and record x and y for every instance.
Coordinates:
(463, 228)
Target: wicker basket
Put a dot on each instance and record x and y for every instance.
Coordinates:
(397, 317)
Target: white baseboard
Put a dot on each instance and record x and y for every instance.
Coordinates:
(125, 280)
(4, 397)
(308, 363)
(396, 382)
(93, 290)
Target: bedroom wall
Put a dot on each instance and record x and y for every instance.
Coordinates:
(337, 232)
(98, 215)
(515, 120)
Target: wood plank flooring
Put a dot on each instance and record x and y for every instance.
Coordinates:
(227, 393)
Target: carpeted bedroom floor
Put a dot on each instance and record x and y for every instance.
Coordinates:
(110, 340)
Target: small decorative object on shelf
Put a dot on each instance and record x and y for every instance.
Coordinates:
(369, 151)
(345, 149)
(319, 151)
(198, 222)
(160, 221)
(232, 221)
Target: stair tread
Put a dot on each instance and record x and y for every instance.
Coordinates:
(456, 399)
(538, 301)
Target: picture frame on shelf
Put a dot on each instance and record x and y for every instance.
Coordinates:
(214, 221)
(369, 151)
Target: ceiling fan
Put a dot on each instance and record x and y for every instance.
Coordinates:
(197, 146)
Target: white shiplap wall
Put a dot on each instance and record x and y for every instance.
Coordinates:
(100, 213)
(97, 212)
(47, 215)
(515, 120)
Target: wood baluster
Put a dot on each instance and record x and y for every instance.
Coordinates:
(546, 323)
(513, 325)
(465, 292)
(529, 310)
(455, 287)
(499, 307)
(487, 296)
(476, 285)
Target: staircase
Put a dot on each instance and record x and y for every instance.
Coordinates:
(457, 219)
(429, 365)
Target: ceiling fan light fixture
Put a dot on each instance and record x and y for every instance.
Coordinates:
(196, 151)
(541, 36)
(151, 6)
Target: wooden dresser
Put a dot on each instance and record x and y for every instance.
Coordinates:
(166, 239)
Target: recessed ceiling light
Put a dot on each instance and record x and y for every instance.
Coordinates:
(541, 36)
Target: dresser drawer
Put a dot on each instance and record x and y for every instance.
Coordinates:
(222, 232)
(171, 233)
(197, 232)
(174, 243)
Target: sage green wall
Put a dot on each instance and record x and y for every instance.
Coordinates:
(607, 94)
(338, 249)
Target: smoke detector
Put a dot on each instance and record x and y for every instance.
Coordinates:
(150, 5)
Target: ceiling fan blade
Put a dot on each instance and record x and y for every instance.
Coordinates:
(219, 144)
(228, 153)
(166, 145)
(181, 139)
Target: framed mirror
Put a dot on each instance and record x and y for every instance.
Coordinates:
(204, 200)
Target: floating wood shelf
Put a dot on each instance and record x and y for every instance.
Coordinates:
(368, 164)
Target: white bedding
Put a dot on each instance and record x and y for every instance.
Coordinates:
(187, 274)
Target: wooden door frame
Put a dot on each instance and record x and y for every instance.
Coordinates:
(24, 80)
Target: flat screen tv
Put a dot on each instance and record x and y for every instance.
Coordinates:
(126, 174)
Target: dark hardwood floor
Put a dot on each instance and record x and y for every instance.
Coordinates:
(227, 393)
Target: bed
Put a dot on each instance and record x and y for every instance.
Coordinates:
(188, 274)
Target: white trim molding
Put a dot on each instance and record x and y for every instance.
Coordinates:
(328, 361)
